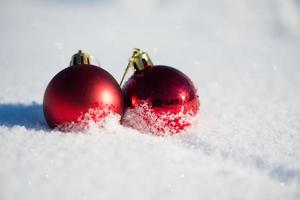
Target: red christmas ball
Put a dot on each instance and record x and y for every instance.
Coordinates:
(80, 93)
(159, 99)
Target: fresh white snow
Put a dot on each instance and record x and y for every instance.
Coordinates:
(243, 56)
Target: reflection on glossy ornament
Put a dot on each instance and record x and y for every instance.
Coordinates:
(159, 99)
(81, 93)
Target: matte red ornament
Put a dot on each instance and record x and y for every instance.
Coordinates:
(159, 99)
(80, 93)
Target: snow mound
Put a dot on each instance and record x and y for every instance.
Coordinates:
(94, 117)
(147, 120)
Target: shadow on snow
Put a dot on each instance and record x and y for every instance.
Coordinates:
(30, 116)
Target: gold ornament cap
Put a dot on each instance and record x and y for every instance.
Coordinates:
(139, 61)
(81, 58)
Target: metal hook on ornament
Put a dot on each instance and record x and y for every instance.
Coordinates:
(139, 61)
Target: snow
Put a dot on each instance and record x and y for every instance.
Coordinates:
(243, 57)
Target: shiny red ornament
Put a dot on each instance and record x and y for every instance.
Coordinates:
(159, 99)
(81, 92)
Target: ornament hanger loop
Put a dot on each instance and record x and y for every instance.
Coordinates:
(139, 61)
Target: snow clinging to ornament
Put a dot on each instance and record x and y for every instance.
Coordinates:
(81, 93)
(158, 99)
